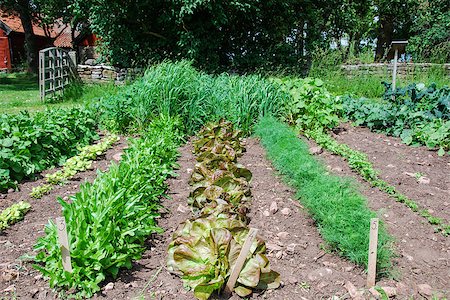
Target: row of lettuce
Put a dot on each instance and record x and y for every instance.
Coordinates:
(205, 248)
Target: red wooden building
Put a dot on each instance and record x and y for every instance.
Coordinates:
(12, 37)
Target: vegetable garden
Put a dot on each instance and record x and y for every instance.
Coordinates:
(190, 163)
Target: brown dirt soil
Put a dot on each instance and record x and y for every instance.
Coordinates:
(400, 164)
(295, 246)
(423, 255)
(19, 277)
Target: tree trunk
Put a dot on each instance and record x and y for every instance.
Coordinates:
(24, 11)
(384, 38)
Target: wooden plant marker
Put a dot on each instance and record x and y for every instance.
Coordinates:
(373, 242)
(240, 261)
(64, 242)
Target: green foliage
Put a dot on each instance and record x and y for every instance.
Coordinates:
(31, 144)
(344, 218)
(419, 115)
(178, 89)
(13, 214)
(204, 249)
(431, 39)
(73, 165)
(108, 221)
(311, 105)
(359, 162)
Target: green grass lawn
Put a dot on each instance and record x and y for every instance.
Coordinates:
(20, 91)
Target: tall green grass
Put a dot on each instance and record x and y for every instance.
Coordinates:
(179, 89)
(341, 213)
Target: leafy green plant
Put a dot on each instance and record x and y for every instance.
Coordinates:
(32, 143)
(73, 165)
(311, 105)
(204, 250)
(419, 115)
(13, 214)
(108, 221)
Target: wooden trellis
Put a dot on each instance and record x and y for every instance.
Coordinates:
(56, 69)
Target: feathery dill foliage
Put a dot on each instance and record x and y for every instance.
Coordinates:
(339, 210)
(179, 89)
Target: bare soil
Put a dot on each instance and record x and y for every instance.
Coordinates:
(423, 255)
(295, 247)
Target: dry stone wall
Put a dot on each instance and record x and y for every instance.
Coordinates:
(383, 69)
(98, 74)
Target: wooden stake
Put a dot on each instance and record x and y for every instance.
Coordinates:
(240, 261)
(373, 242)
(64, 242)
(394, 72)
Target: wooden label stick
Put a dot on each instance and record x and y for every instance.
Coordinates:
(373, 242)
(240, 261)
(64, 242)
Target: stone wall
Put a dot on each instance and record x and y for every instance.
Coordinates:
(385, 69)
(97, 74)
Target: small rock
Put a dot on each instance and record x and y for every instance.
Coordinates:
(286, 211)
(402, 289)
(273, 247)
(348, 269)
(292, 280)
(291, 248)
(425, 290)
(283, 234)
(10, 288)
(117, 156)
(413, 175)
(189, 171)
(319, 273)
(273, 207)
(109, 286)
(353, 291)
(266, 213)
(2, 196)
(316, 150)
(183, 209)
(424, 180)
(37, 277)
(390, 166)
(33, 292)
(337, 169)
(10, 191)
(131, 284)
(390, 291)
(329, 264)
(279, 254)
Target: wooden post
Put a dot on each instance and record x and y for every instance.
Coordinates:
(64, 242)
(373, 242)
(394, 71)
(240, 261)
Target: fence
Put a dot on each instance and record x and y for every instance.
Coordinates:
(57, 67)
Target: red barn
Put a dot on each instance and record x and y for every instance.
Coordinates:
(12, 37)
